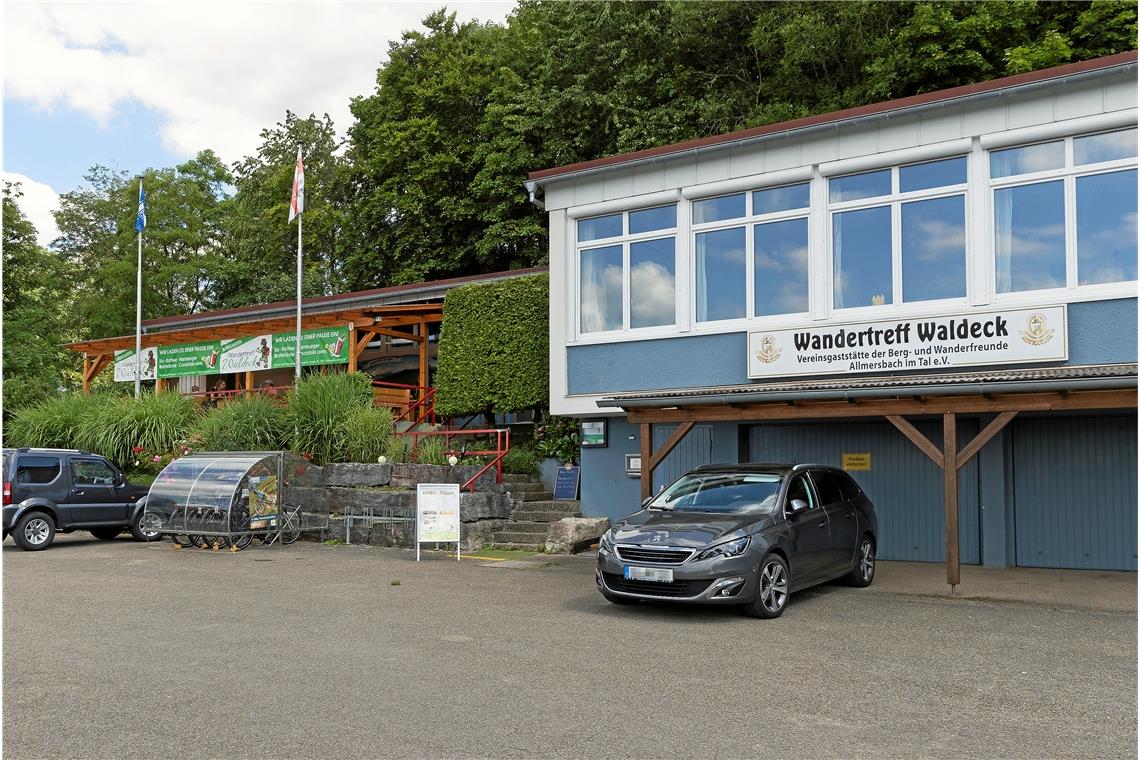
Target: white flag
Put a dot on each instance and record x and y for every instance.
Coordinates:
(297, 203)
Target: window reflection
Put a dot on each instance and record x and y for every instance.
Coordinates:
(721, 278)
(777, 199)
(1106, 227)
(652, 283)
(1109, 146)
(599, 227)
(719, 209)
(934, 249)
(861, 247)
(781, 267)
(1027, 159)
(601, 288)
(950, 171)
(856, 186)
(647, 220)
(1029, 228)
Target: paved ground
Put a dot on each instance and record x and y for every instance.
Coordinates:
(124, 650)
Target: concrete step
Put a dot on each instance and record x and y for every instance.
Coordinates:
(548, 503)
(510, 477)
(528, 487)
(537, 496)
(543, 515)
(528, 540)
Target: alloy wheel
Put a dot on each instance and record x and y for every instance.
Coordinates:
(36, 531)
(150, 525)
(773, 587)
(867, 561)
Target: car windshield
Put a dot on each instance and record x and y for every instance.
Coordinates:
(746, 493)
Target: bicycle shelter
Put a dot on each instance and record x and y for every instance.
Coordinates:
(230, 498)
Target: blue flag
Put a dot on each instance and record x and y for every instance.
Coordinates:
(140, 218)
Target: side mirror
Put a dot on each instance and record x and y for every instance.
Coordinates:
(120, 479)
(797, 505)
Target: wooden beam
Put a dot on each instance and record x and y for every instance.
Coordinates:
(1043, 402)
(950, 488)
(982, 438)
(397, 334)
(86, 374)
(352, 352)
(362, 343)
(670, 444)
(646, 454)
(248, 383)
(918, 439)
(422, 334)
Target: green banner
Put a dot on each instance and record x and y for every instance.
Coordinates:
(190, 359)
(322, 346)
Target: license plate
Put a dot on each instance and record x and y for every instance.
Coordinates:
(658, 574)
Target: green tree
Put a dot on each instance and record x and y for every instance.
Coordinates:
(261, 267)
(36, 365)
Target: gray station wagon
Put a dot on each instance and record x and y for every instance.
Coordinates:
(742, 534)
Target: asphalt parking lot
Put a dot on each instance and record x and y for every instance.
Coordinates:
(118, 649)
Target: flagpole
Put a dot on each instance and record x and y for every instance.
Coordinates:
(297, 358)
(138, 311)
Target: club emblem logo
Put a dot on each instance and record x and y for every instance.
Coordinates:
(768, 352)
(1036, 332)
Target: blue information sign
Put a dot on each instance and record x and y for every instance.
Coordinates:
(566, 485)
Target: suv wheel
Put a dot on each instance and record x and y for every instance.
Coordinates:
(34, 531)
(772, 596)
(147, 526)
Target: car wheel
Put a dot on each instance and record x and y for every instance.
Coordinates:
(864, 571)
(147, 527)
(772, 596)
(106, 534)
(34, 531)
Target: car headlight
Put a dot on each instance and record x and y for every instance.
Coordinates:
(606, 543)
(727, 549)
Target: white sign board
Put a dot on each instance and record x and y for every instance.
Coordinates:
(247, 354)
(125, 362)
(437, 514)
(1008, 336)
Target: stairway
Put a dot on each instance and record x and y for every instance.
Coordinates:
(532, 511)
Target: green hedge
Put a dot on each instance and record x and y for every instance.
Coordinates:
(494, 347)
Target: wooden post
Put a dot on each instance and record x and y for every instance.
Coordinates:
(86, 374)
(950, 481)
(351, 347)
(421, 330)
(646, 455)
(158, 383)
(248, 383)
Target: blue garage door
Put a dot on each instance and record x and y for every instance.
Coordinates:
(695, 449)
(905, 486)
(1074, 482)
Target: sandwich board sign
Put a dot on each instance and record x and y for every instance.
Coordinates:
(437, 515)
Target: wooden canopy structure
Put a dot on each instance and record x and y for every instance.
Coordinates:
(1089, 388)
(406, 321)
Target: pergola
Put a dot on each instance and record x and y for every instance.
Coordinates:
(1003, 393)
(406, 321)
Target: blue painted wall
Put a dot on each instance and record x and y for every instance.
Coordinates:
(1100, 332)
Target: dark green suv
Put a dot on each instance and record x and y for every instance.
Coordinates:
(64, 490)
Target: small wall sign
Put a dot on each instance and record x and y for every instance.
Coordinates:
(566, 484)
(633, 465)
(861, 461)
(593, 434)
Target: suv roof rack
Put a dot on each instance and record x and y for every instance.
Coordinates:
(31, 449)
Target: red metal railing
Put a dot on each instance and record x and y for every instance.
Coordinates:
(502, 448)
(417, 410)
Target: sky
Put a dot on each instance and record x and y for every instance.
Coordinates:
(138, 85)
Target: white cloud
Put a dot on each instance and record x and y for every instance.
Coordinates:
(219, 72)
(37, 203)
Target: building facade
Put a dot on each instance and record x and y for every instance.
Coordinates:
(853, 288)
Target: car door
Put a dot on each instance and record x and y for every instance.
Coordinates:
(95, 498)
(41, 476)
(809, 534)
(841, 518)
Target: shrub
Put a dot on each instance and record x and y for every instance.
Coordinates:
(256, 423)
(494, 347)
(319, 406)
(53, 423)
(156, 423)
(365, 433)
(398, 449)
(431, 449)
(521, 460)
(557, 437)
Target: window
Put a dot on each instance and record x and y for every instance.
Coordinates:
(751, 253)
(848, 486)
(799, 489)
(827, 487)
(629, 281)
(1065, 212)
(31, 469)
(91, 472)
(899, 234)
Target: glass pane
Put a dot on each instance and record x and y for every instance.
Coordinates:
(716, 209)
(951, 171)
(856, 186)
(601, 289)
(781, 267)
(1026, 160)
(1106, 227)
(1029, 230)
(1107, 147)
(781, 198)
(934, 249)
(721, 272)
(861, 250)
(652, 283)
(599, 227)
(660, 218)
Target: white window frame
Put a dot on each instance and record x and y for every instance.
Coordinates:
(749, 222)
(1068, 174)
(895, 200)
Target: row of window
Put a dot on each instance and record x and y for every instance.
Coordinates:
(1064, 215)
